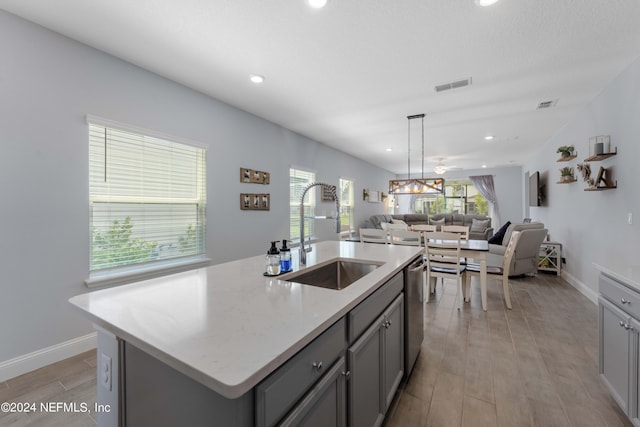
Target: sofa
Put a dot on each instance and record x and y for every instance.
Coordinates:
(375, 221)
(526, 254)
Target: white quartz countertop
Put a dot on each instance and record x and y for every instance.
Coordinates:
(227, 326)
(625, 273)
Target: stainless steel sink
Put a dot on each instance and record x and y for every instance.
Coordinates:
(336, 275)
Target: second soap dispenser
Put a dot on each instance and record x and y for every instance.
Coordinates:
(285, 257)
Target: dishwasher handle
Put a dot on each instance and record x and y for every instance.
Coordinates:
(416, 269)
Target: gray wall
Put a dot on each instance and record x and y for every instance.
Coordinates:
(48, 83)
(593, 225)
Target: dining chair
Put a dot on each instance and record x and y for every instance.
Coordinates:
(373, 235)
(405, 237)
(498, 273)
(463, 230)
(424, 227)
(443, 260)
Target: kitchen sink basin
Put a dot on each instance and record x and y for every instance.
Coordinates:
(336, 275)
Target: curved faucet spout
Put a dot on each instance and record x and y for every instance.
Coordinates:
(332, 190)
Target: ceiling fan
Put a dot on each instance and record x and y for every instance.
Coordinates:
(441, 168)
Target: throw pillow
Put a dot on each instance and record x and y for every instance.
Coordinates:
(496, 239)
(384, 225)
(479, 225)
(398, 221)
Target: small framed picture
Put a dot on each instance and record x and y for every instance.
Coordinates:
(327, 193)
(255, 202)
(254, 177)
(245, 175)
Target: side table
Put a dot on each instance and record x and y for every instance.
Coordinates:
(550, 257)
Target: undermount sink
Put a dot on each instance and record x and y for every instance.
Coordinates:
(336, 275)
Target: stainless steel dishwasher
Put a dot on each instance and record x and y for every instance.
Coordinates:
(414, 317)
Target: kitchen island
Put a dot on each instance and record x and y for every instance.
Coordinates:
(216, 333)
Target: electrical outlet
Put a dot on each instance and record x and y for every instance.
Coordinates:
(630, 218)
(104, 371)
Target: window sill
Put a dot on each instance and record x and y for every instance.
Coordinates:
(128, 275)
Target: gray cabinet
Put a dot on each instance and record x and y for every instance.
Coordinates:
(278, 394)
(615, 351)
(317, 387)
(619, 342)
(635, 374)
(325, 405)
(393, 350)
(376, 364)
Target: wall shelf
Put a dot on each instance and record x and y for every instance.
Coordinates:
(567, 182)
(602, 188)
(567, 158)
(598, 157)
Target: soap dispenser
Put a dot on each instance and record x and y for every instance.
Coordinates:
(285, 257)
(272, 261)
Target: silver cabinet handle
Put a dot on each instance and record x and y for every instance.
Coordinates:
(347, 374)
(626, 326)
(317, 365)
(624, 301)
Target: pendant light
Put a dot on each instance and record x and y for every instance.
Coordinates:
(417, 185)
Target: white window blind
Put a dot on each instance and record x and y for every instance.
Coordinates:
(147, 199)
(347, 200)
(298, 181)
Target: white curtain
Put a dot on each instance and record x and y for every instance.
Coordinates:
(484, 184)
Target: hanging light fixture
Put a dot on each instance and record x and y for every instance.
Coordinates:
(417, 185)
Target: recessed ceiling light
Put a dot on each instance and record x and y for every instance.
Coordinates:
(256, 78)
(484, 166)
(389, 149)
(485, 2)
(488, 137)
(317, 4)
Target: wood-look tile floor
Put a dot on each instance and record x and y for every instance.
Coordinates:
(71, 381)
(534, 365)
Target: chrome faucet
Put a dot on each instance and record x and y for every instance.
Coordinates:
(332, 189)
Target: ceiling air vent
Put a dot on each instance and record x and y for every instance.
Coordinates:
(546, 104)
(453, 85)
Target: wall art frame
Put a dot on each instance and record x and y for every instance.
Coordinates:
(255, 201)
(251, 176)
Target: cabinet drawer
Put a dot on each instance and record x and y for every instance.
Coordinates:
(622, 296)
(368, 310)
(276, 395)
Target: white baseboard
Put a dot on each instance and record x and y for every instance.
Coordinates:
(581, 287)
(28, 362)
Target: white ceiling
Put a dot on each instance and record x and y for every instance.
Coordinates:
(349, 75)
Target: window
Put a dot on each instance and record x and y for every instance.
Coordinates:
(298, 181)
(346, 205)
(146, 198)
(459, 197)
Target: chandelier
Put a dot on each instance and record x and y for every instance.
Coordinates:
(420, 185)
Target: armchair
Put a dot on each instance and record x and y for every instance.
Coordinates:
(527, 250)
